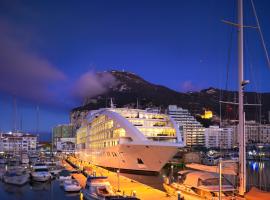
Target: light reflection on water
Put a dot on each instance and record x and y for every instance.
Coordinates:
(258, 174)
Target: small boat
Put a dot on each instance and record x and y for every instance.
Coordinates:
(16, 176)
(199, 185)
(64, 175)
(25, 159)
(98, 187)
(40, 173)
(71, 185)
(55, 170)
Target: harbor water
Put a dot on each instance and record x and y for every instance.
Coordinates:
(50, 190)
(258, 174)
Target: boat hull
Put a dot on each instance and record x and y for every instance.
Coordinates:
(72, 188)
(41, 177)
(18, 180)
(137, 157)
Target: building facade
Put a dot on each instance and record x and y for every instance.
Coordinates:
(66, 145)
(64, 137)
(193, 131)
(255, 133)
(18, 142)
(216, 137)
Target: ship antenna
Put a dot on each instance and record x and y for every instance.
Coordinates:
(14, 114)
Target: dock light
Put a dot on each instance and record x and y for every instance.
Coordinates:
(171, 171)
(134, 193)
(81, 196)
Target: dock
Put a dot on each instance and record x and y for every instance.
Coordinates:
(120, 184)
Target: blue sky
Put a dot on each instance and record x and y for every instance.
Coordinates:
(47, 46)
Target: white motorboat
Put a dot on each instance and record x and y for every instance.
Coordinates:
(98, 187)
(71, 185)
(40, 173)
(199, 185)
(55, 170)
(65, 175)
(24, 159)
(16, 176)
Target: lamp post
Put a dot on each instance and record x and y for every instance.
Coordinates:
(171, 172)
(118, 183)
(118, 171)
(220, 178)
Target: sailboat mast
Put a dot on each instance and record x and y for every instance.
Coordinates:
(242, 143)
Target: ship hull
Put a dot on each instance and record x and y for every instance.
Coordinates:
(135, 157)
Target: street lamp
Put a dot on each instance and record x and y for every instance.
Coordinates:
(118, 171)
(172, 172)
(118, 183)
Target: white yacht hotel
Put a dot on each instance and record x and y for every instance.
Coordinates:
(130, 139)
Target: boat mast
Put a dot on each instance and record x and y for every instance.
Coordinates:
(242, 141)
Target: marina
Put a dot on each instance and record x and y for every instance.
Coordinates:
(134, 100)
(144, 185)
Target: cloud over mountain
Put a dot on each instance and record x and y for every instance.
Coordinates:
(91, 84)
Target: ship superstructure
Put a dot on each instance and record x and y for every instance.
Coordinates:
(132, 139)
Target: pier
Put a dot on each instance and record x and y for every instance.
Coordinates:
(120, 184)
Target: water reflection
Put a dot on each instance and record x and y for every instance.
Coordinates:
(39, 186)
(35, 190)
(256, 165)
(258, 174)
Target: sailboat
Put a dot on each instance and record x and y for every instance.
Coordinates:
(198, 185)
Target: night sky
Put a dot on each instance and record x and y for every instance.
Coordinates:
(49, 49)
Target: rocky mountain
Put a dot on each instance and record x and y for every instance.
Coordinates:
(131, 88)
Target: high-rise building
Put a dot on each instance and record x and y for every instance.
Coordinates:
(193, 131)
(64, 137)
(216, 137)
